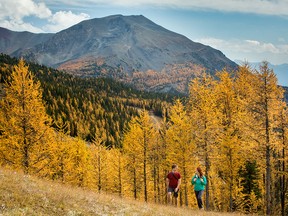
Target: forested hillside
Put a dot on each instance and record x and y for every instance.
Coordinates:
(132, 49)
(234, 126)
(86, 106)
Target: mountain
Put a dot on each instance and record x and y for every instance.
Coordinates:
(282, 73)
(11, 42)
(130, 48)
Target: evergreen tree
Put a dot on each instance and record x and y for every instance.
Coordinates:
(250, 176)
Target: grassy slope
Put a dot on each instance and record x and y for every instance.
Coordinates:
(26, 195)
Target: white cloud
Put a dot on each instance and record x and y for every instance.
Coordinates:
(253, 42)
(250, 50)
(64, 19)
(256, 46)
(284, 48)
(17, 9)
(268, 7)
(19, 25)
(14, 12)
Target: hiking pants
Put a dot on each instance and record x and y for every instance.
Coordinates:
(199, 198)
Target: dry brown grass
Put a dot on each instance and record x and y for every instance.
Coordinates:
(27, 195)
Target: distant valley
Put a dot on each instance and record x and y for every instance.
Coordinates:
(131, 49)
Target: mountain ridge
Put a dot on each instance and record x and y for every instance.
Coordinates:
(12, 41)
(121, 46)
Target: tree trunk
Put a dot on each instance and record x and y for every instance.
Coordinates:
(120, 175)
(99, 171)
(185, 184)
(268, 182)
(231, 181)
(283, 186)
(134, 184)
(144, 171)
(25, 158)
(155, 182)
(158, 185)
(207, 165)
(268, 161)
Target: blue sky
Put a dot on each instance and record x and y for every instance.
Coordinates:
(246, 30)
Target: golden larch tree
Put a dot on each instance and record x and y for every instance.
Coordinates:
(232, 150)
(203, 110)
(266, 109)
(181, 147)
(99, 159)
(137, 143)
(132, 149)
(24, 123)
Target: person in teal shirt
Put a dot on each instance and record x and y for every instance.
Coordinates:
(199, 181)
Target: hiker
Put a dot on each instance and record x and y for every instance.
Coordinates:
(199, 181)
(173, 181)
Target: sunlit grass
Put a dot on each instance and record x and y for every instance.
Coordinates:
(26, 195)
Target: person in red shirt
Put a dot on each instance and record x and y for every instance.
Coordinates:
(173, 181)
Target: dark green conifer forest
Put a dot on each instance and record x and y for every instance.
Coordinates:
(89, 105)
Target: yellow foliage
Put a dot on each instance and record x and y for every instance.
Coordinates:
(226, 122)
(26, 133)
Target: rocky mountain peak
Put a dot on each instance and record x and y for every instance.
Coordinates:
(122, 47)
